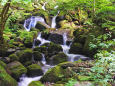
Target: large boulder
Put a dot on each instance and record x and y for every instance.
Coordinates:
(6, 79)
(36, 83)
(28, 41)
(37, 56)
(67, 70)
(52, 49)
(56, 38)
(45, 35)
(13, 57)
(25, 56)
(34, 70)
(49, 49)
(76, 48)
(58, 58)
(16, 69)
(36, 42)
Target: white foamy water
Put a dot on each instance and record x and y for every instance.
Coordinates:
(53, 25)
(43, 41)
(66, 48)
(25, 81)
(31, 22)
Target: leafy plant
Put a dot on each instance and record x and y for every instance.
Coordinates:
(71, 82)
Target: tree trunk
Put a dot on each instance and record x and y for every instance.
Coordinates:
(3, 18)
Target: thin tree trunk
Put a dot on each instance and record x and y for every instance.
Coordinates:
(3, 18)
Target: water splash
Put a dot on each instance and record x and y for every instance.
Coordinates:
(71, 57)
(53, 25)
(43, 41)
(25, 81)
(31, 22)
(43, 7)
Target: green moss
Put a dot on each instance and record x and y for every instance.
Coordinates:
(16, 69)
(37, 56)
(6, 79)
(59, 58)
(34, 70)
(13, 57)
(36, 83)
(3, 64)
(83, 78)
(25, 55)
(53, 75)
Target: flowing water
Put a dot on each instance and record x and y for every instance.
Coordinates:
(53, 25)
(43, 7)
(31, 22)
(24, 80)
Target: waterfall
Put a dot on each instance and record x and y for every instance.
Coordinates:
(43, 59)
(71, 57)
(24, 80)
(53, 25)
(43, 7)
(43, 41)
(31, 22)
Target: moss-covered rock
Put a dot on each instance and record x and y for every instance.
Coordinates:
(76, 48)
(36, 83)
(25, 55)
(58, 58)
(49, 49)
(37, 56)
(62, 72)
(28, 42)
(13, 57)
(53, 49)
(34, 70)
(6, 79)
(16, 69)
(56, 38)
(3, 64)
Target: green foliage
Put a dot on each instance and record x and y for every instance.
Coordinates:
(102, 42)
(104, 67)
(71, 82)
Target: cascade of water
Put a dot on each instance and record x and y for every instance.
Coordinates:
(53, 25)
(43, 59)
(24, 80)
(31, 22)
(43, 7)
(71, 57)
(42, 40)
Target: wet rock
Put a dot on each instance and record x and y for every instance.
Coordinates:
(34, 70)
(76, 48)
(58, 58)
(16, 69)
(5, 59)
(13, 57)
(37, 56)
(53, 49)
(36, 83)
(67, 70)
(56, 38)
(40, 26)
(45, 35)
(25, 55)
(10, 51)
(28, 42)
(37, 42)
(6, 79)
